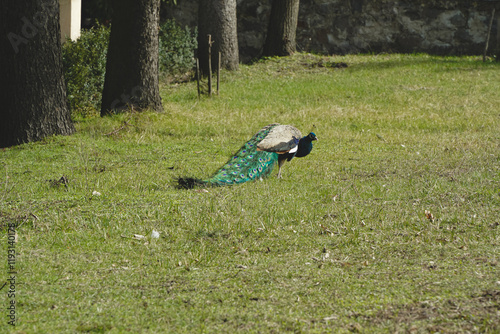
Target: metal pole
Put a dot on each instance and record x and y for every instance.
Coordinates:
(489, 34)
(209, 65)
(198, 76)
(218, 73)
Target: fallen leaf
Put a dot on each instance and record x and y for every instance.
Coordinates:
(429, 216)
(431, 265)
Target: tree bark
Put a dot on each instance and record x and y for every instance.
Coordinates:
(281, 31)
(33, 92)
(132, 66)
(218, 19)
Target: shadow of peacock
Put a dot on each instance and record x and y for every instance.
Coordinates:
(274, 143)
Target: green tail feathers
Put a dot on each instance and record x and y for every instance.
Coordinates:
(246, 165)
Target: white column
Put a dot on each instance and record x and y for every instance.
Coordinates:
(70, 15)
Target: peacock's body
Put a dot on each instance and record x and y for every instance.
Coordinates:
(273, 144)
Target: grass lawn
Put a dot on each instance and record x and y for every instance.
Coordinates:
(390, 225)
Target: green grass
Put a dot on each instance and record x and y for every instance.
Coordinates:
(340, 244)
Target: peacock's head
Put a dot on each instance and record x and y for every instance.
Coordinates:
(312, 136)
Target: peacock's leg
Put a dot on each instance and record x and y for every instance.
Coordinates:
(280, 163)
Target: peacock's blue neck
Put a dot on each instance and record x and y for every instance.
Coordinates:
(305, 147)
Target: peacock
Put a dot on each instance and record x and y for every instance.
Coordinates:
(258, 156)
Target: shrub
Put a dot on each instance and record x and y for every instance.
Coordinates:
(177, 47)
(84, 63)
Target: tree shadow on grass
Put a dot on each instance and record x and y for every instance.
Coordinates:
(384, 62)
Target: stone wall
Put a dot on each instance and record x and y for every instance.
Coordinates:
(443, 27)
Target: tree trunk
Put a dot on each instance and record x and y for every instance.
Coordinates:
(218, 19)
(281, 31)
(33, 91)
(132, 66)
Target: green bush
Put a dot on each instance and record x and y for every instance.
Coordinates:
(84, 63)
(177, 47)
